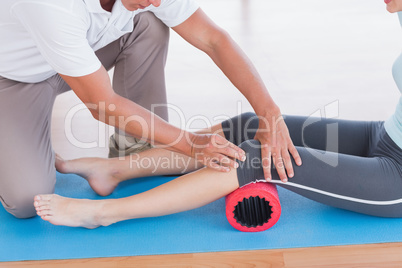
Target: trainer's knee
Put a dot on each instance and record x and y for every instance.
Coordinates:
(241, 128)
(19, 201)
(153, 27)
(251, 169)
(21, 208)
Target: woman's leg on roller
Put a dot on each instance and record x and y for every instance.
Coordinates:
(344, 181)
(364, 185)
(184, 193)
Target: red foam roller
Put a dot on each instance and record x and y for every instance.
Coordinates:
(254, 207)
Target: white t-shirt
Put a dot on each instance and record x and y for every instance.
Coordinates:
(39, 38)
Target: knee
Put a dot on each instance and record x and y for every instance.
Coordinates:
(250, 122)
(251, 169)
(153, 27)
(241, 128)
(21, 207)
(19, 202)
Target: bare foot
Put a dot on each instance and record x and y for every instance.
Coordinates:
(99, 172)
(60, 210)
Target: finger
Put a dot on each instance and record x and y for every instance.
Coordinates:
(227, 162)
(293, 151)
(230, 153)
(224, 161)
(266, 161)
(288, 163)
(279, 166)
(239, 153)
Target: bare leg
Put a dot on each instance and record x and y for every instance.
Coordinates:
(103, 175)
(187, 192)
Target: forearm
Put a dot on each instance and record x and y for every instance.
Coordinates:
(106, 106)
(203, 33)
(139, 122)
(156, 161)
(229, 57)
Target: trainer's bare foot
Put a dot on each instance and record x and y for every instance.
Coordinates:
(99, 172)
(60, 210)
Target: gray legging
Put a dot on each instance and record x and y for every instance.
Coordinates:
(352, 165)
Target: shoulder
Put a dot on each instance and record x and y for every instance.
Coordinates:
(174, 12)
(67, 5)
(50, 13)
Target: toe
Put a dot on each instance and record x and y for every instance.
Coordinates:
(40, 203)
(44, 213)
(48, 218)
(41, 200)
(45, 197)
(43, 207)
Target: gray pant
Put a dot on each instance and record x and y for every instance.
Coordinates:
(27, 158)
(352, 165)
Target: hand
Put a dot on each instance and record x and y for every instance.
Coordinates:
(273, 135)
(216, 152)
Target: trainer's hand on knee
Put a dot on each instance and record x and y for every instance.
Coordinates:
(276, 147)
(216, 152)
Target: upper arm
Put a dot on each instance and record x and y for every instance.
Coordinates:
(200, 31)
(59, 30)
(93, 89)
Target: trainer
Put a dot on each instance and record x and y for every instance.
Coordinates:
(51, 46)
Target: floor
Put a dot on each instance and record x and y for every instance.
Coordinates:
(331, 58)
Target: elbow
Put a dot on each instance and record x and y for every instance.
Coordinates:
(218, 40)
(101, 108)
(95, 114)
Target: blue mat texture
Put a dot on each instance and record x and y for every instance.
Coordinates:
(303, 223)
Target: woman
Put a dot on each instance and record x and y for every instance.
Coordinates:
(363, 174)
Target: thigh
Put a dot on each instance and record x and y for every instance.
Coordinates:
(343, 136)
(27, 158)
(369, 185)
(139, 73)
(139, 60)
(335, 135)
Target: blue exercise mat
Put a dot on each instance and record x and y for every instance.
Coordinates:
(303, 223)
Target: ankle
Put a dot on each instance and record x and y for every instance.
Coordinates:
(115, 171)
(104, 214)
